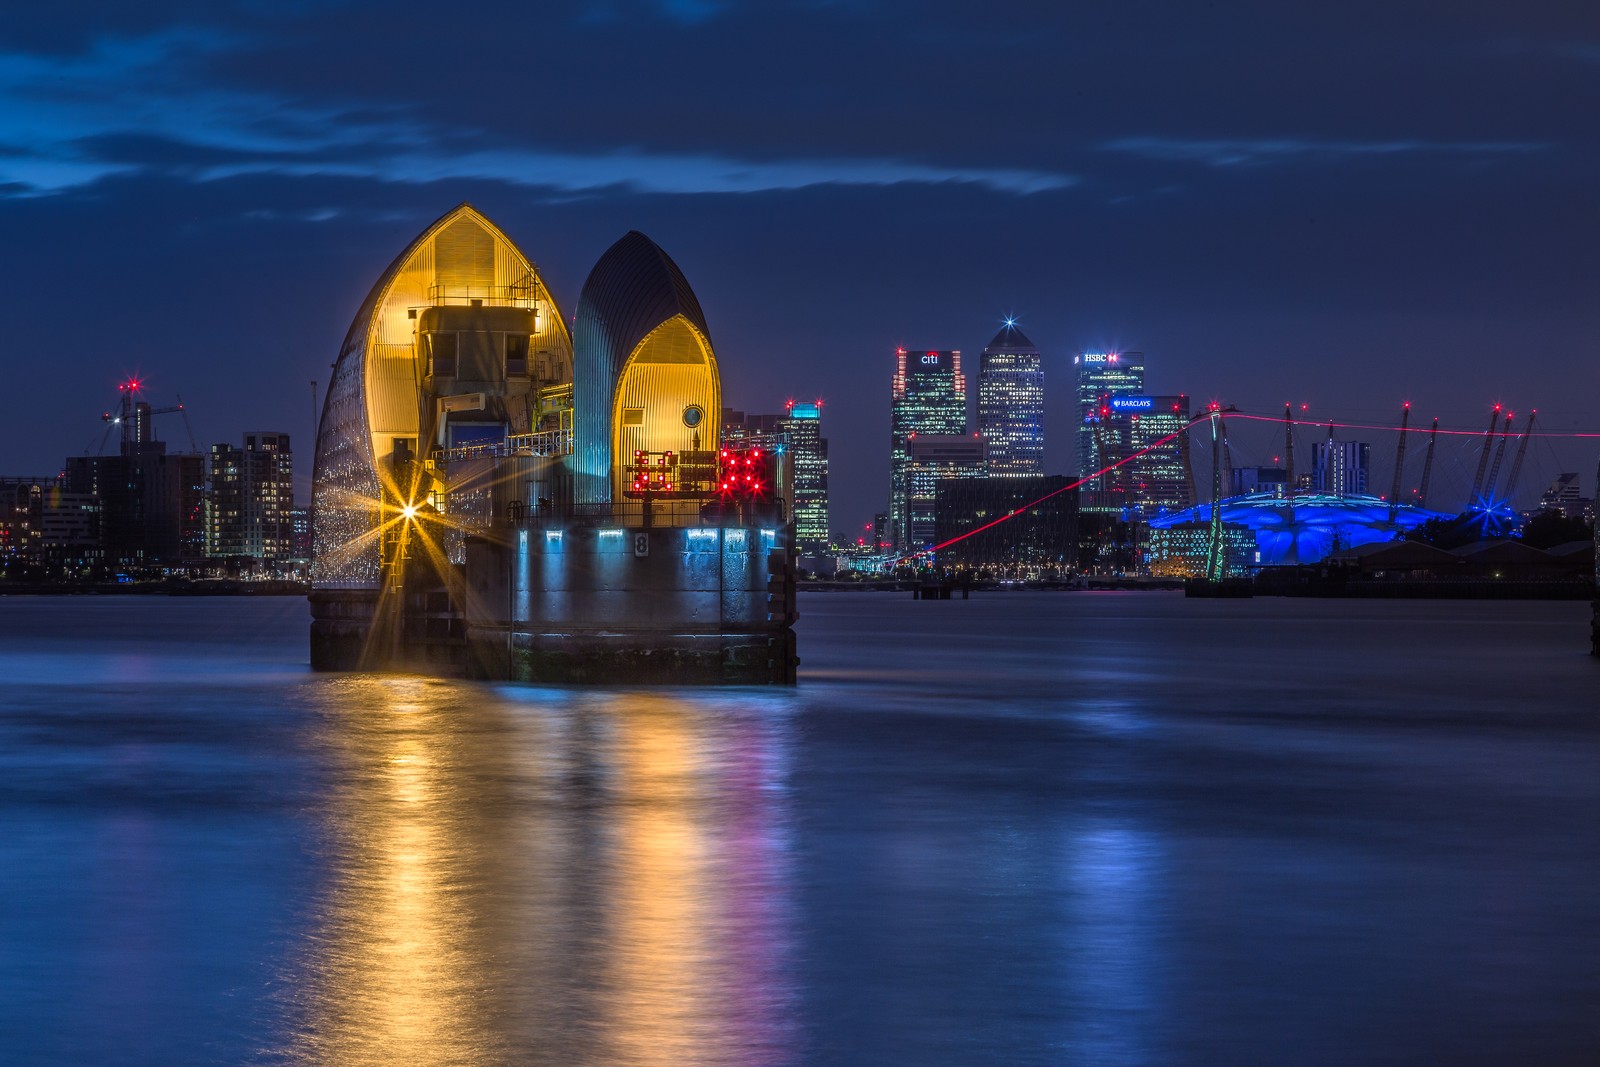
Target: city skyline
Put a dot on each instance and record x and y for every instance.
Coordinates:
(1455, 472)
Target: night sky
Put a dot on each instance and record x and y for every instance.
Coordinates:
(1347, 205)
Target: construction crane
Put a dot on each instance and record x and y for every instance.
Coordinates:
(133, 415)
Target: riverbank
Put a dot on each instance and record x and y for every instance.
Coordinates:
(219, 587)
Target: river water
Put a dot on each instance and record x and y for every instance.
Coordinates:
(1073, 828)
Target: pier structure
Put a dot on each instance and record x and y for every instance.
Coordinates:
(497, 497)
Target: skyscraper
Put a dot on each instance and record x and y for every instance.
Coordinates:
(801, 428)
(1102, 377)
(1162, 478)
(929, 397)
(1144, 431)
(252, 498)
(1011, 403)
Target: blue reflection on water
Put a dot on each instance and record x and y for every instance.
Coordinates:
(1020, 829)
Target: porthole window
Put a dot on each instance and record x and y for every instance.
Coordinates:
(693, 415)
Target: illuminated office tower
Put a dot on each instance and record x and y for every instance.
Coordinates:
(1102, 377)
(1011, 403)
(929, 397)
(1145, 431)
(1161, 478)
(801, 428)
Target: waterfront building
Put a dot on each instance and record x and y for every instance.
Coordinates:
(1183, 549)
(932, 459)
(1011, 403)
(1102, 377)
(928, 397)
(47, 531)
(69, 525)
(801, 432)
(1023, 542)
(1340, 467)
(300, 533)
(252, 498)
(1308, 528)
(1565, 495)
(20, 508)
(151, 502)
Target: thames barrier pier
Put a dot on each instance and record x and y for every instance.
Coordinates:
(497, 498)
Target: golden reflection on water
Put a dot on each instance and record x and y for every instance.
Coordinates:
(548, 878)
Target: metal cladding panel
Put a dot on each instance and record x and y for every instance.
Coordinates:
(634, 288)
(465, 254)
(344, 477)
(392, 390)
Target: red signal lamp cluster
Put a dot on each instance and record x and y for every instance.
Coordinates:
(742, 472)
(652, 471)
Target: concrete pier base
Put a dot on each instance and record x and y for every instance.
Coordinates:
(599, 658)
(580, 605)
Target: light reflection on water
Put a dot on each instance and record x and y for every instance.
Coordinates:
(563, 878)
(1023, 829)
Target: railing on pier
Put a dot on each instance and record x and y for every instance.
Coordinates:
(524, 293)
(543, 443)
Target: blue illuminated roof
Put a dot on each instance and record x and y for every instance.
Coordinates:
(1322, 522)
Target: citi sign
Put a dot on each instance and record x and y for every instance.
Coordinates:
(931, 359)
(1132, 403)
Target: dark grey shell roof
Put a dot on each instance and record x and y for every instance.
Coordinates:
(634, 288)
